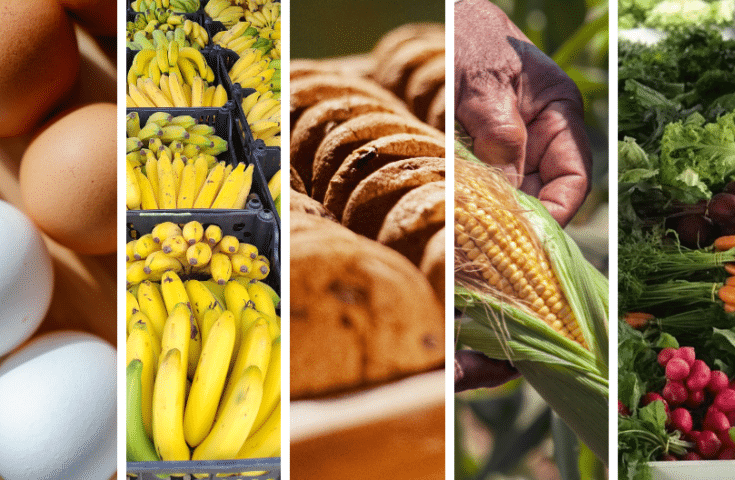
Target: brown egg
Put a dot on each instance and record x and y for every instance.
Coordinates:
(68, 179)
(98, 16)
(39, 62)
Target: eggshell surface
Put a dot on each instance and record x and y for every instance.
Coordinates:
(68, 179)
(40, 62)
(58, 409)
(26, 278)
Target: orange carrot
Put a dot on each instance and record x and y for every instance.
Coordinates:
(727, 294)
(730, 281)
(638, 320)
(730, 308)
(730, 268)
(725, 243)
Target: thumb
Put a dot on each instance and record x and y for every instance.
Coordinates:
(487, 110)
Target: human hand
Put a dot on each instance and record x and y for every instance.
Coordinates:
(474, 370)
(524, 114)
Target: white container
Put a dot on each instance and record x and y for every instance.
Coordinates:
(693, 470)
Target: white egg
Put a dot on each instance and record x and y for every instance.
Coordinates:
(58, 409)
(26, 278)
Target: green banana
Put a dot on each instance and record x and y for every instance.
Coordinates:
(139, 447)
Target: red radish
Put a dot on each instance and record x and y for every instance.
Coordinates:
(675, 392)
(725, 439)
(721, 209)
(725, 400)
(731, 417)
(691, 456)
(695, 399)
(715, 420)
(622, 409)
(708, 444)
(665, 355)
(699, 375)
(682, 420)
(652, 397)
(687, 354)
(718, 381)
(677, 369)
(667, 457)
(726, 454)
(693, 436)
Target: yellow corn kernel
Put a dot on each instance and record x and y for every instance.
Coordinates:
(502, 252)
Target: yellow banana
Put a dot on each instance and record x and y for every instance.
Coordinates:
(175, 246)
(177, 94)
(236, 298)
(166, 183)
(145, 246)
(147, 197)
(209, 316)
(152, 306)
(164, 230)
(130, 251)
(201, 300)
(260, 270)
(173, 291)
(220, 96)
(274, 184)
(265, 440)
(134, 273)
(168, 408)
(200, 174)
(247, 58)
(193, 232)
(158, 262)
(199, 254)
(248, 250)
(196, 57)
(208, 96)
(271, 385)
(195, 346)
(213, 234)
(236, 419)
(209, 380)
(221, 268)
(132, 189)
(261, 299)
(242, 196)
(250, 101)
(254, 350)
(211, 187)
(131, 306)
(241, 264)
(260, 108)
(230, 188)
(197, 92)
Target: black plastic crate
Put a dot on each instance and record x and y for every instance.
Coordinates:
(254, 225)
(151, 470)
(223, 120)
(214, 59)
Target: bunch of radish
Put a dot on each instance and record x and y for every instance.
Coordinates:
(699, 402)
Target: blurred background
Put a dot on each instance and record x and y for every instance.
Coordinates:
(345, 27)
(509, 432)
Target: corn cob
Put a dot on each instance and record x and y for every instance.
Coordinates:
(527, 294)
(503, 253)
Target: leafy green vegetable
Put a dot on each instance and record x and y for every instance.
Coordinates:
(697, 158)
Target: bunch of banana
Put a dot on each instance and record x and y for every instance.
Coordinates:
(178, 6)
(204, 366)
(224, 11)
(265, 16)
(253, 70)
(169, 76)
(263, 114)
(193, 251)
(241, 37)
(148, 33)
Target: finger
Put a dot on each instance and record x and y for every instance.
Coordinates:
(488, 112)
(564, 159)
(474, 370)
(560, 151)
(486, 69)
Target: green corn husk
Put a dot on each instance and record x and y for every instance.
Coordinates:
(570, 378)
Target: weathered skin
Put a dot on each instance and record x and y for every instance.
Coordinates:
(522, 111)
(525, 116)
